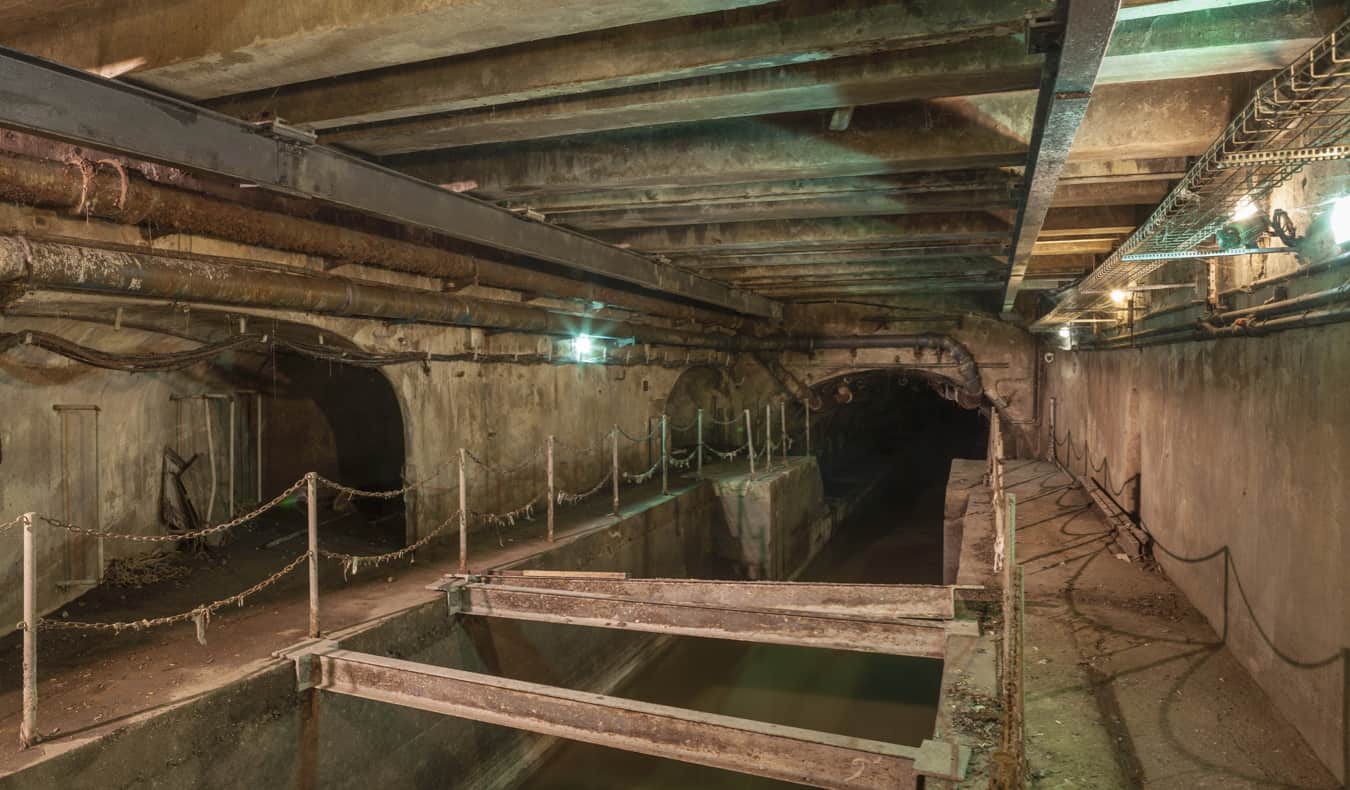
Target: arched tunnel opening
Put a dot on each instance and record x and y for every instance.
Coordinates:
(898, 423)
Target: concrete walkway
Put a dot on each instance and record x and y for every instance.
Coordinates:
(1126, 684)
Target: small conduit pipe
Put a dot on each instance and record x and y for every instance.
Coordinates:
(64, 267)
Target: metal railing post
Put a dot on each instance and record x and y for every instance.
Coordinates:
(614, 470)
(768, 436)
(699, 422)
(665, 458)
(28, 734)
(750, 440)
(782, 428)
(806, 408)
(1054, 440)
(463, 517)
(551, 489)
(312, 508)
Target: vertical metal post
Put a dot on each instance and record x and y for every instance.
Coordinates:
(699, 423)
(260, 445)
(312, 495)
(768, 436)
(614, 470)
(551, 489)
(750, 440)
(1054, 437)
(806, 409)
(233, 432)
(782, 428)
(463, 517)
(28, 734)
(649, 441)
(665, 458)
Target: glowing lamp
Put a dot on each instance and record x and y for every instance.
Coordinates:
(1340, 219)
(1120, 297)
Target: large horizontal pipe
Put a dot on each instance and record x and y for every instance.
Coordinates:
(64, 267)
(120, 194)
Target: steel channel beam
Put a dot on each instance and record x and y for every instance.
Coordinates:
(774, 751)
(50, 100)
(1066, 89)
(923, 638)
(917, 601)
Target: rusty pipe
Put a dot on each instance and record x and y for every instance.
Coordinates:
(110, 190)
(65, 267)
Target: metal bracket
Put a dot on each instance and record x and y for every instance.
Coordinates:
(306, 657)
(285, 132)
(1043, 34)
(942, 760)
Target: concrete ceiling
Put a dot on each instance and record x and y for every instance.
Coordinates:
(803, 149)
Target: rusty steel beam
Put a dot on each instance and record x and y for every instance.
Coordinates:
(1070, 71)
(892, 636)
(921, 601)
(121, 118)
(774, 751)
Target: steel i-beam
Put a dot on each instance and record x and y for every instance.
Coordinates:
(1070, 71)
(50, 100)
(775, 751)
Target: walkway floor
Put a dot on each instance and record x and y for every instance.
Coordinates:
(1127, 685)
(91, 683)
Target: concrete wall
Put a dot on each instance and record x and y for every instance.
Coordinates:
(136, 421)
(1244, 444)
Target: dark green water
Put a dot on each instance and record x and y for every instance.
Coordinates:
(886, 698)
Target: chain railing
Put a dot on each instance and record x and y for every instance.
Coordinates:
(667, 457)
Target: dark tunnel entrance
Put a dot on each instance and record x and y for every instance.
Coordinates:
(340, 421)
(897, 422)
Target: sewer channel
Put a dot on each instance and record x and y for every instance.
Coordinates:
(895, 538)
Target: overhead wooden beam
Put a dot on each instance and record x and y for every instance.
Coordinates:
(835, 233)
(206, 48)
(780, 34)
(985, 66)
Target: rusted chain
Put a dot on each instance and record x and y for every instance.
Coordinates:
(565, 498)
(676, 427)
(508, 519)
(578, 449)
(681, 461)
(352, 563)
(390, 494)
(734, 420)
(729, 455)
(8, 525)
(176, 536)
(506, 470)
(642, 477)
(200, 615)
(635, 439)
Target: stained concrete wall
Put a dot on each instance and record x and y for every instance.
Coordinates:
(1243, 444)
(136, 421)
